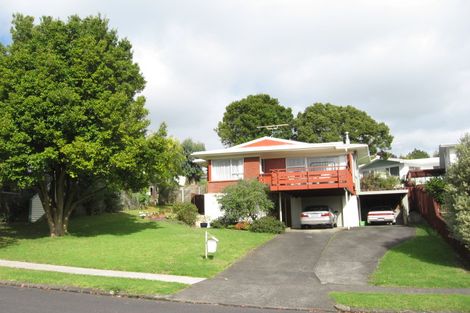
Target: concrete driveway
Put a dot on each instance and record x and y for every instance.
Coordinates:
(295, 269)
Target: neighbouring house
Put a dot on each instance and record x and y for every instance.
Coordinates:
(447, 155)
(398, 167)
(297, 174)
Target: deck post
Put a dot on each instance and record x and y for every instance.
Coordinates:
(280, 207)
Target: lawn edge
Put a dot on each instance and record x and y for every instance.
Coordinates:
(90, 291)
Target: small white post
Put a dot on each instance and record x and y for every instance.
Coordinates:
(205, 245)
(280, 207)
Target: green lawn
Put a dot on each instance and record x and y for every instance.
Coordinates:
(425, 261)
(130, 286)
(122, 241)
(400, 302)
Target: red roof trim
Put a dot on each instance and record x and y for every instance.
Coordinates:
(266, 143)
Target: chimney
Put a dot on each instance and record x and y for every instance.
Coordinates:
(346, 138)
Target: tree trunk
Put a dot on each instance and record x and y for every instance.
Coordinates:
(56, 197)
(59, 197)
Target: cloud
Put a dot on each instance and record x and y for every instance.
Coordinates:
(404, 62)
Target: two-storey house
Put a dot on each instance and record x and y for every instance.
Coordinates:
(298, 174)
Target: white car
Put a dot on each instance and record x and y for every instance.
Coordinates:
(381, 214)
(318, 215)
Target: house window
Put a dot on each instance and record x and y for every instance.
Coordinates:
(315, 163)
(295, 164)
(228, 169)
(394, 171)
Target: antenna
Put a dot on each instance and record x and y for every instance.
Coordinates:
(272, 128)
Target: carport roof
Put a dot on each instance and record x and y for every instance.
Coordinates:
(382, 192)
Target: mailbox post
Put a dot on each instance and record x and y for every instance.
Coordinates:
(210, 244)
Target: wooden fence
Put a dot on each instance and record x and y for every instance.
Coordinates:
(423, 203)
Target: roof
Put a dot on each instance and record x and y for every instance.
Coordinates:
(425, 162)
(272, 147)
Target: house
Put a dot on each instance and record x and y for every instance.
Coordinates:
(297, 174)
(398, 167)
(447, 155)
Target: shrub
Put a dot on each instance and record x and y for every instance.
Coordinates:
(222, 222)
(436, 187)
(267, 224)
(375, 181)
(242, 226)
(186, 213)
(245, 200)
(458, 196)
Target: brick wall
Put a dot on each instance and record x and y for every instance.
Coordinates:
(251, 170)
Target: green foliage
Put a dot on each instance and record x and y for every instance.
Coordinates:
(417, 154)
(71, 114)
(436, 187)
(458, 196)
(192, 171)
(223, 222)
(425, 261)
(377, 181)
(186, 213)
(268, 224)
(241, 119)
(327, 122)
(246, 199)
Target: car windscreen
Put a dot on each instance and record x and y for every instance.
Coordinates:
(381, 208)
(315, 208)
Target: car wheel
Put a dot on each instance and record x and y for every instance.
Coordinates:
(303, 226)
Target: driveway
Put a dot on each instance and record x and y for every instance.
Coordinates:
(298, 268)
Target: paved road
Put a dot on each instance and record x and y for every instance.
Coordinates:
(25, 300)
(298, 269)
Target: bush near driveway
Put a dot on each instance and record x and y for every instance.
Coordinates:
(268, 224)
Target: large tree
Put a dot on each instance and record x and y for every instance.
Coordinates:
(192, 171)
(242, 120)
(417, 154)
(327, 122)
(70, 115)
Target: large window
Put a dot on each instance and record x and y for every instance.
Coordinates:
(228, 169)
(315, 163)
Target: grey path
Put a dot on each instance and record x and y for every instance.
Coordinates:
(24, 300)
(298, 269)
(96, 272)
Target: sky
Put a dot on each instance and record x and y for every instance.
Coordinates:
(405, 62)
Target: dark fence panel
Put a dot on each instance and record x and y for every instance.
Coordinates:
(198, 201)
(423, 203)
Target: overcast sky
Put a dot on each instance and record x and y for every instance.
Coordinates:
(406, 63)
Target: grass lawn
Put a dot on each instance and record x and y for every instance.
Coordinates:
(425, 261)
(130, 286)
(122, 241)
(400, 302)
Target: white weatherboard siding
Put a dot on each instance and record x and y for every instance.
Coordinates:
(36, 210)
(351, 212)
(212, 206)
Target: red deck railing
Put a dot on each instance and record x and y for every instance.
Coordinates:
(320, 177)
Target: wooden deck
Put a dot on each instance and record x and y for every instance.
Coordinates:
(312, 179)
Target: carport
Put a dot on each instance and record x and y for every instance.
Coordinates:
(394, 198)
